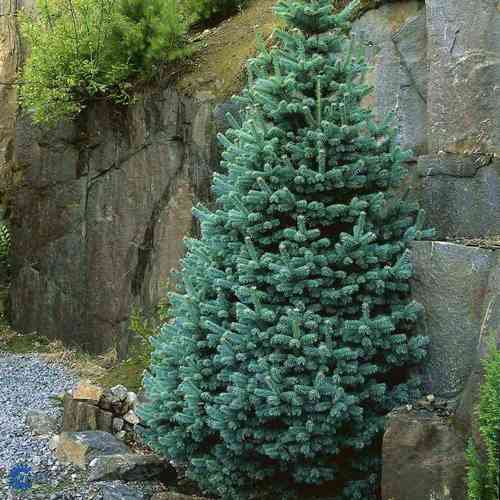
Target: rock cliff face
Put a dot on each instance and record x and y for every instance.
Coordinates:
(100, 214)
(9, 59)
(436, 66)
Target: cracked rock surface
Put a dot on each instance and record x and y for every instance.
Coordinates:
(100, 212)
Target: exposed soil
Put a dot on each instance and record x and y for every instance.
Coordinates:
(218, 66)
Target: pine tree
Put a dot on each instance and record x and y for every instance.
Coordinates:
(292, 331)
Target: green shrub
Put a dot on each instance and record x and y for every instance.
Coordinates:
(293, 326)
(484, 467)
(147, 32)
(207, 11)
(80, 49)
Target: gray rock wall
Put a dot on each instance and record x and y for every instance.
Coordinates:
(435, 66)
(100, 215)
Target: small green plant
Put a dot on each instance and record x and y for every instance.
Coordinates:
(83, 49)
(5, 251)
(130, 371)
(483, 478)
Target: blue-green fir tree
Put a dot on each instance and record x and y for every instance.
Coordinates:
(292, 331)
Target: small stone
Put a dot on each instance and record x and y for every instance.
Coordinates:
(79, 415)
(117, 424)
(41, 423)
(87, 392)
(105, 403)
(131, 400)
(53, 442)
(131, 418)
(114, 399)
(121, 435)
(409, 407)
(119, 392)
(104, 420)
(430, 398)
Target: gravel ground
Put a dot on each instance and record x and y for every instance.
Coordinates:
(27, 382)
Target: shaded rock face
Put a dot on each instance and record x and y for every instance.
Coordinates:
(464, 98)
(394, 39)
(101, 212)
(423, 458)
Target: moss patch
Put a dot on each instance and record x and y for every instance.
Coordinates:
(22, 344)
(128, 373)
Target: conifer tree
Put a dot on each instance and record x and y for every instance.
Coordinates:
(292, 331)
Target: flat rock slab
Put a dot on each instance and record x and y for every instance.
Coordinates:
(423, 458)
(460, 195)
(80, 448)
(90, 393)
(131, 467)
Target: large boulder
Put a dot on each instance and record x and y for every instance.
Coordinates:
(423, 457)
(172, 495)
(464, 98)
(119, 492)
